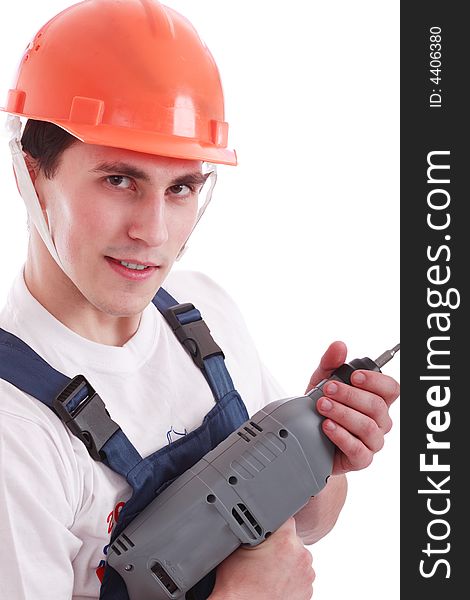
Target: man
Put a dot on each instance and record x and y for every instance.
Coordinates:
(113, 212)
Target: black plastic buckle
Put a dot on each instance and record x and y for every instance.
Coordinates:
(194, 336)
(89, 420)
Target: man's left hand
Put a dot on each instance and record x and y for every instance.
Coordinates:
(356, 416)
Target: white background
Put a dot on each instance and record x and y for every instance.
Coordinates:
(304, 232)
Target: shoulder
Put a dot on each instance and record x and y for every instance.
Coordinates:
(21, 414)
(229, 329)
(216, 305)
(197, 287)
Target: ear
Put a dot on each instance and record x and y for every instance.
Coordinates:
(32, 165)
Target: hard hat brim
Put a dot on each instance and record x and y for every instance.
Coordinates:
(149, 142)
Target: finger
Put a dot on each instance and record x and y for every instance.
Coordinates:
(362, 401)
(351, 453)
(288, 526)
(333, 358)
(382, 385)
(360, 426)
(287, 530)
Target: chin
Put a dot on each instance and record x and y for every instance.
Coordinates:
(124, 307)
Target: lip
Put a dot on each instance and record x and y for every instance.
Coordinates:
(129, 273)
(133, 261)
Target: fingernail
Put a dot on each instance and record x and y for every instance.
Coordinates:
(330, 425)
(325, 404)
(359, 378)
(331, 388)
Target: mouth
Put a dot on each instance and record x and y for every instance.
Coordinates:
(132, 268)
(131, 263)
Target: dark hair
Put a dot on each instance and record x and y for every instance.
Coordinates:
(46, 142)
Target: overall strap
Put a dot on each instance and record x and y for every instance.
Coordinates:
(74, 401)
(26, 370)
(187, 324)
(78, 405)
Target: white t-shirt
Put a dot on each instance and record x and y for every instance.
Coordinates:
(57, 505)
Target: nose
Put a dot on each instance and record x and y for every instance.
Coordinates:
(148, 221)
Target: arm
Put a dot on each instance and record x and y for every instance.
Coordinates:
(319, 516)
(37, 547)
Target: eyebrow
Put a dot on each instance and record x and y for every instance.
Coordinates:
(129, 170)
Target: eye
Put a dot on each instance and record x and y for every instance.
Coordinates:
(120, 181)
(181, 190)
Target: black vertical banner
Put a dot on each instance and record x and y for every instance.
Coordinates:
(435, 254)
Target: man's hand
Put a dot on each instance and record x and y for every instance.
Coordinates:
(278, 569)
(357, 416)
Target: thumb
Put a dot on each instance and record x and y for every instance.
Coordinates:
(288, 527)
(333, 358)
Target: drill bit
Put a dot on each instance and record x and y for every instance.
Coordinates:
(386, 356)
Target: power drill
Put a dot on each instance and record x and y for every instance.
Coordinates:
(238, 493)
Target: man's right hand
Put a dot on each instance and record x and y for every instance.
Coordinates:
(279, 568)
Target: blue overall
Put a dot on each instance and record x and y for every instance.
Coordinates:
(83, 411)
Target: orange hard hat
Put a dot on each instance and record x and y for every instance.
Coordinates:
(125, 73)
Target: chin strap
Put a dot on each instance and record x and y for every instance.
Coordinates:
(211, 184)
(26, 187)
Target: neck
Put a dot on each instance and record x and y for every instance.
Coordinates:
(51, 287)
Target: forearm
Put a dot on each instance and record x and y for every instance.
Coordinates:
(318, 517)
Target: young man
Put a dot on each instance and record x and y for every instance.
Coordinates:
(111, 205)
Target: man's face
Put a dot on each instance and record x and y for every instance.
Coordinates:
(107, 206)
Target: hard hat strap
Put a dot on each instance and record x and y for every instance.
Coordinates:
(26, 187)
(212, 169)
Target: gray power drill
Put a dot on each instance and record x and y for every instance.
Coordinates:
(238, 493)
